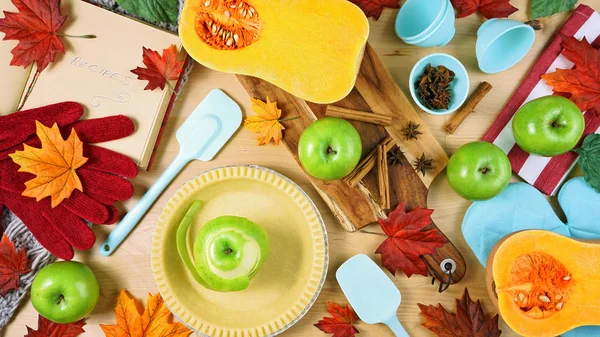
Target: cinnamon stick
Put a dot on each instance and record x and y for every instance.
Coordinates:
(363, 116)
(383, 177)
(483, 89)
(367, 164)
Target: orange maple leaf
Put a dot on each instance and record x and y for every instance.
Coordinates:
(582, 82)
(153, 322)
(54, 164)
(267, 124)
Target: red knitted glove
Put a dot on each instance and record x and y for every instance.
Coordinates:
(103, 177)
(18, 127)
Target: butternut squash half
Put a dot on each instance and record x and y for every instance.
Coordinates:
(546, 284)
(310, 48)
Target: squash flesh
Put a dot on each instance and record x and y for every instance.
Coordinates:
(310, 48)
(580, 305)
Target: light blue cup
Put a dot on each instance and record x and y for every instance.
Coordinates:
(459, 87)
(502, 43)
(426, 23)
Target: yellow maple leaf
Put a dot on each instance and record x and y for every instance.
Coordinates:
(155, 321)
(54, 164)
(267, 124)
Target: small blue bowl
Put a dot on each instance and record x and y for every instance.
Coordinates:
(427, 23)
(459, 87)
(502, 43)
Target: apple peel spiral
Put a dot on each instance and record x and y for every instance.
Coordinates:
(228, 250)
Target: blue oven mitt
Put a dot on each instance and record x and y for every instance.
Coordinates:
(520, 206)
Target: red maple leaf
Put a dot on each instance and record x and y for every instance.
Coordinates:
(34, 26)
(160, 69)
(407, 241)
(583, 82)
(47, 328)
(373, 8)
(488, 8)
(13, 264)
(469, 319)
(341, 324)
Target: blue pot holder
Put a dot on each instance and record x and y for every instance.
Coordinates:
(520, 207)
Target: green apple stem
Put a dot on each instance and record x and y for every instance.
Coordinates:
(182, 248)
(228, 251)
(484, 170)
(60, 299)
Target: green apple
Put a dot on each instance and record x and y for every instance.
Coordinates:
(479, 171)
(548, 126)
(65, 292)
(329, 148)
(228, 251)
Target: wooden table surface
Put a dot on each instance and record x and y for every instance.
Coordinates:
(129, 267)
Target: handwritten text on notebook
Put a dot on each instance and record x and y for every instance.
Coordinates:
(107, 74)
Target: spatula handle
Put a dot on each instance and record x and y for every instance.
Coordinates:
(396, 327)
(120, 232)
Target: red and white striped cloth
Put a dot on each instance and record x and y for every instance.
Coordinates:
(546, 174)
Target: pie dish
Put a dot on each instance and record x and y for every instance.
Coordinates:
(293, 274)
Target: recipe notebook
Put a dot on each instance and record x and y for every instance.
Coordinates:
(97, 74)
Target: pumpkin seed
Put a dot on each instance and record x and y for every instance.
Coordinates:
(207, 3)
(567, 278)
(544, 299)
(559, 305)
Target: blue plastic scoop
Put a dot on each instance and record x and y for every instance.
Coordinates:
(371, 293)
(200, 137)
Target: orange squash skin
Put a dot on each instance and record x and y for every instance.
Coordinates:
(310, 48)
(547, 284)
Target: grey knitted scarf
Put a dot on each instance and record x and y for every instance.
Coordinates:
(18, 233)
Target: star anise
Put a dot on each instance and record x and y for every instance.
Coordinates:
(433, 87)
(395, 156)
(423, 164)
(535, 24)
(411, 131)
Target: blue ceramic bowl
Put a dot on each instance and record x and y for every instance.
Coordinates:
(426, 23)
(502, 43)
(459, 87)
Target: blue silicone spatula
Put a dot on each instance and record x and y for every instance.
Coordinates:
(371, 293)
(200, 137)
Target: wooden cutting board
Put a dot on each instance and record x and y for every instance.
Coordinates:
(356, 207)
